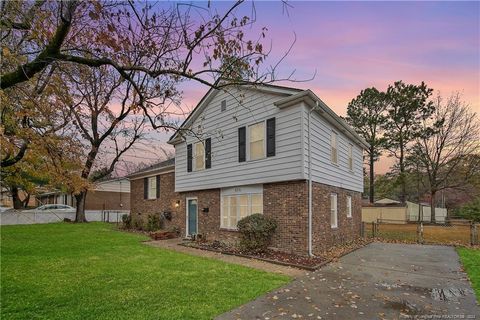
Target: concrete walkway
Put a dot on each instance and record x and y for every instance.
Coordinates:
(379, 281)
(173, 244)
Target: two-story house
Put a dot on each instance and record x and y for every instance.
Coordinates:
(262, 149)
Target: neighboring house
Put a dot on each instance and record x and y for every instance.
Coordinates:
(112, 194)
(250, 154)
(388, 210)
(6, 199)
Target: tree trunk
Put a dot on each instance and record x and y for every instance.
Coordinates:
(403, 191)
(432, 206)
(26, 200)
(80, 211)
(372, 178)
(17, 202)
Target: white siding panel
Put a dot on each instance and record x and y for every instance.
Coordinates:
(243, 109)
(323, 170)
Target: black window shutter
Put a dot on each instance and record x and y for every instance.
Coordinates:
(271, 137)
(242, 140)
(189, 158)
(145, 188)
(208, 153)
(158, 187)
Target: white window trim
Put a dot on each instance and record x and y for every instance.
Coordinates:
(334, 134)
(335, 225)
(349, 206)
(194, 156)
(264, 140)
(237, 208)
(154, 195)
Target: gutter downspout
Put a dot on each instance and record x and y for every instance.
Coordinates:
(310, 189)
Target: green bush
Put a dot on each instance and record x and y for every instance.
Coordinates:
(470, 211)
(154, 222)
(256, 232)
(137, 223)
(127, 221)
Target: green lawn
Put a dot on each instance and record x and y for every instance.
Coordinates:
(471, 262)
(90, 271)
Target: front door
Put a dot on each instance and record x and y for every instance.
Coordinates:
(192, 217)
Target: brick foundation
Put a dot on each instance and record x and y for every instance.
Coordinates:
(285, 201)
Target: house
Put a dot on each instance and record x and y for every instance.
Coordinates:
(392, 211)
(263, 149)
(6, 199)
(110, 194)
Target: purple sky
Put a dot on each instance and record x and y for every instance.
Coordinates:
(353, 45)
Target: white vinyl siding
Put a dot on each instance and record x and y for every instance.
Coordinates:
(323, 170)
(222, 127)
(350, 157)
(199, 156)
(349, 206)
(256, 141)
(334, 147)
(236, 207)
(152, 188)
(333, 211)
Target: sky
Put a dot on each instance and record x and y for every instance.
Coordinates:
(344, 47)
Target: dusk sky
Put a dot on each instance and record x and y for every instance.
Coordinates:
(349, 46)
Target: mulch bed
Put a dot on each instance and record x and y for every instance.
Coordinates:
(283, 258)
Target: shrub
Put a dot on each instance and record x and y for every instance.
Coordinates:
(154, 222)
(256, 232)
(126, 221)
(470, 211)
(137, 223)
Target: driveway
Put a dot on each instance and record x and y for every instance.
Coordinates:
(379, 281)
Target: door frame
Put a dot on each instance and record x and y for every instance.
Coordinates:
(186, 214)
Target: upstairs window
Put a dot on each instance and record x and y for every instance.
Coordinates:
(199, 156)
(333, 210)
(334, 147)
(350, 157)
(257, 141)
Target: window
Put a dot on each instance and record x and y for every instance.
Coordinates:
(223, 106)
(257, 141)
(199, 156)
(349, 206)
(333, 210)
(236, 207)
(350, 157)
(152, 188)
(334, 150)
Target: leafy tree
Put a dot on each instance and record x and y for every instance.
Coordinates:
(366, 114)
(470, 210)
(448, 147)
(408, 106)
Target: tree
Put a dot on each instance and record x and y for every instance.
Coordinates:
(407, 106)
(448, 148)
(108, 120)
(366, 114)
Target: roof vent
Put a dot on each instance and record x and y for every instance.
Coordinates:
(223, 106)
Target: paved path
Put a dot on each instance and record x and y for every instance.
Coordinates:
(172, 244)
(379, 281)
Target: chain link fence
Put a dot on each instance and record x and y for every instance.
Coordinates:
(458, 232)
(14, 217)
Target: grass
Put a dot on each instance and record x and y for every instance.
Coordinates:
(90, 271)
(471, 262)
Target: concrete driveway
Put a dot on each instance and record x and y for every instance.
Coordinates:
(379, 281)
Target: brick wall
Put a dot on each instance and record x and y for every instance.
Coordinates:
(285, 201)
(107, 200)
(324, 236)
(141, 208)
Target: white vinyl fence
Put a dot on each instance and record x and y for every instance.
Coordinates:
(12, 217)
